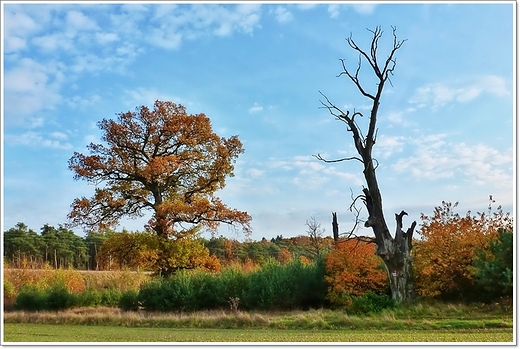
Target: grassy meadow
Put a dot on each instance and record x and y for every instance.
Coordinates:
(89, 334)
(418, 323)
(425, 321)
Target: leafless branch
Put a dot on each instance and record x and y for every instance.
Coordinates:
(355, 78)
(319, 157)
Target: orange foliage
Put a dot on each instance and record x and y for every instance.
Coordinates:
(248, 265)
(305, 260)
(147, 251)
(43, 278)
(164, 160)
(352, 269)
(284, 255)
(443, 257)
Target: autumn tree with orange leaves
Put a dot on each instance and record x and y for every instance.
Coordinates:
(162, 160)
(444, 255)
(352, 269)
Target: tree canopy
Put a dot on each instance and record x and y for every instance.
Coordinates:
(161, 159)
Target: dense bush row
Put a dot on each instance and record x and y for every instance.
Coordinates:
(58, 297)
(275, 286)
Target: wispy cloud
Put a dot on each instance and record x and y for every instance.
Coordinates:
(17, 27)
(147, 96)
(168, 28)
(436, 158)
(398, 118)
(438, 95)
(333, 10)
(255, 109)
(283, 15)
(388, 145)
(365, 9)
(30, 87)
(83, 101)
(56, 140)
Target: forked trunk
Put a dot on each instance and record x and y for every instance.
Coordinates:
(395, 252)
(398, 263)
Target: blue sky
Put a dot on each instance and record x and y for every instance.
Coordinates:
(446, 126)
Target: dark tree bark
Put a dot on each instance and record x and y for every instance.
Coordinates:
(335, 227)
(394, 251)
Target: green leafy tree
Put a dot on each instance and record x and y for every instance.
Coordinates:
(22, 243)
(93, 241)
(494, 269)
(62, 248)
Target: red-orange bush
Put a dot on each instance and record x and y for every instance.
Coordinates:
(352, 269)
(444, 254)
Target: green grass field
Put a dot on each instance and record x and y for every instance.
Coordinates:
(26, 332)
(439, 323)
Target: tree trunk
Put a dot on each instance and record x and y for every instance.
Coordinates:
(335, 228)
(395, 252)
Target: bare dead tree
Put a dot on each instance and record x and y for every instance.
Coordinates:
(394, 251)
(315, 232)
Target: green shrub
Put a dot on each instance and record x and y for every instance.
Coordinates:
(30, 298)
(371, 302)
(182, 292)
(494, 271)
(58, 297)
(210, 290)
(9, 290)
(129, 300)
(293, 285)
(90, 297)
(233, 284)
(110, 297)
(150, 295)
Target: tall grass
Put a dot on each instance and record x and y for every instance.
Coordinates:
(315, 319)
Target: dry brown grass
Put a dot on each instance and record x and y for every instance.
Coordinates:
(115, 316)
(76, 281)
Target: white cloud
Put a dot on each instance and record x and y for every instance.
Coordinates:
(91, 139)
(76, 20)
(35, 139)
(255, 108)
(53, 42)
(435, 158)
(283, 15)
(388, 145)
(365, 9)
(254, 172)
(168, 29)
(333, 10)
(79, 101)
(105, 38)
(438, 95)
(30, 87)
(310, 182)
(147, 96)
(164, 39)
(59, 135)
(17, 26)
(310, 172)
(398, 119)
